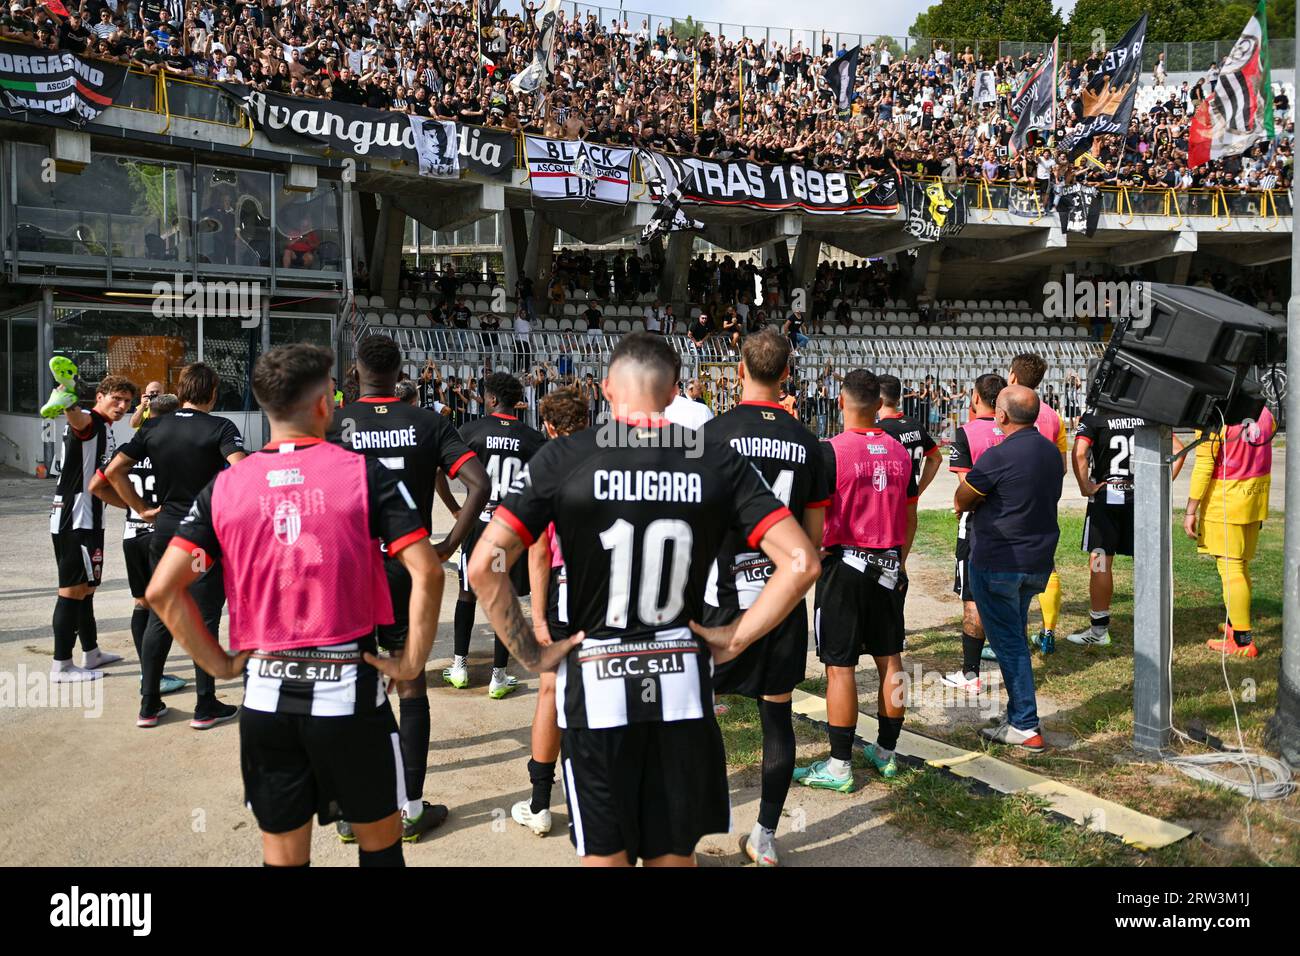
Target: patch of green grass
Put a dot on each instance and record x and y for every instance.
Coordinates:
(1012, 829)
(1092, 688)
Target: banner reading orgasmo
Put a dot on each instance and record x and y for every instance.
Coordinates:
(64, 85)
(575, 169)
(743, 182)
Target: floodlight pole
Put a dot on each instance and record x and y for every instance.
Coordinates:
(1284, 729)
(1152, 588)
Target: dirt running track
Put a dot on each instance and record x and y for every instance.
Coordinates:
(82, 786)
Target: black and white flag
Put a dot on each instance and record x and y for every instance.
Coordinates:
(668, 215)
(536, 75)
(986, 87)
(438, 147)
(1035, 105)
(1080, 208)
(841, 76)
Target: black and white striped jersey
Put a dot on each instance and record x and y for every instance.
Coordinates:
(504, 445)
(1111, 442)
(314, 681)
(642, 514)
(790, 460)
(81, 455)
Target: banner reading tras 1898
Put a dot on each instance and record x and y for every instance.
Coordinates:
(63, 85)
(743, 182)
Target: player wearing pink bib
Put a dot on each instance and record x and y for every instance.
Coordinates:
(971, 441)
(869, 528)
(295, 527)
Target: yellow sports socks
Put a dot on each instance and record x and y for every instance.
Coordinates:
(1049, 602)
(1235, 575)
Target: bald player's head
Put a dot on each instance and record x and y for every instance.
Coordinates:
(1019, 404)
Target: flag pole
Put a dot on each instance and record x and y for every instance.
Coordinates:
(695, 113)
(740, 63)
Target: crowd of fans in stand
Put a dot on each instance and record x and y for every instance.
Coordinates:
(619, 83)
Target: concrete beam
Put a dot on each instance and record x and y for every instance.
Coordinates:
(751, 235)
(807, 249)
(514, 248)
(879, 243)
(449, 207)
(1154, 248)
(70, 151)
(597, 223)
(1021, 247)
(386, 259)
(1258, 253)
(538, 255)
(677, 264)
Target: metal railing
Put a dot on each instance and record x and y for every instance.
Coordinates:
(1269, 204)
(935, 367)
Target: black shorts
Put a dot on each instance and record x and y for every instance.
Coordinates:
(338, 768)
(961, 571)
(518, 573)
(392, 637)
(80, 556)
(645, 789)
(559, 629)
(1108, 529)
(856, 613)
(774, 664)
(139, 566)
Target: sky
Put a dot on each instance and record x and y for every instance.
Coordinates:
(892, 18)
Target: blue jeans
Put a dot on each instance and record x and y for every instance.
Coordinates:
(1002, 598)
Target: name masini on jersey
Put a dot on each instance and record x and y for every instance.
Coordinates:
(674, 486)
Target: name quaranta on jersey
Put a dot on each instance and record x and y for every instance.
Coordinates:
(776, 448)
(679, 487)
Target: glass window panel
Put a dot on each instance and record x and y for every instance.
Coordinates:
(129, 208)
(307, 228)
(26, 382)
(138, 344)
(231, 350)
(4, 365)
(234, 226)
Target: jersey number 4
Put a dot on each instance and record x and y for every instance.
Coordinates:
(620, 539)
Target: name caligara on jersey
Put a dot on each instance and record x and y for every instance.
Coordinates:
(770, 448)
(674, 486)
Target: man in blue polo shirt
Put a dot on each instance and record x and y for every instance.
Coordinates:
(1012, 493)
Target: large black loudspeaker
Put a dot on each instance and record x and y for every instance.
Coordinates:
(1186, 355)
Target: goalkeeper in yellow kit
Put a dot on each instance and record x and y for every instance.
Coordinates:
(1226, 506)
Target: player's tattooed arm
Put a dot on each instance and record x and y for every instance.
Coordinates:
(489, 566)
